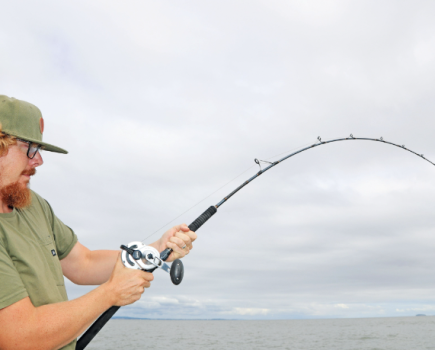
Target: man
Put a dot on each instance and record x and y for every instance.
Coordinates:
(37, 250)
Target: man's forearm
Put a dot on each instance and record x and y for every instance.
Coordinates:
(85, 267)
(100, 265)
(55, 325)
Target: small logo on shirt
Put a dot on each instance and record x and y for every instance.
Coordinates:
(53, 252)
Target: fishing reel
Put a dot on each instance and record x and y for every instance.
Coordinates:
(139, 256)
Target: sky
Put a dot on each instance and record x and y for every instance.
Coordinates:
(161, 103)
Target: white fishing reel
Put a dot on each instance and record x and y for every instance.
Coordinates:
(139, 256)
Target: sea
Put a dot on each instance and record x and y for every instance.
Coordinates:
(407, 333)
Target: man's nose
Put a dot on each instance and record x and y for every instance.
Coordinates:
(37, 160)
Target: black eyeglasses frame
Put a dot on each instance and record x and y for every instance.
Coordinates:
(30, 143)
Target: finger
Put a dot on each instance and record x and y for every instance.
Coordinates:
(144, 283)
(179, 253)
(178, 248)
(147, 276)
(178, 241)
(192, 235)
(183, 227)
(185, 238)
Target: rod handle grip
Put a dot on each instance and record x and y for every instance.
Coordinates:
(202, 219)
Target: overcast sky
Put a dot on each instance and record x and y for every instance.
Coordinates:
(160, 103)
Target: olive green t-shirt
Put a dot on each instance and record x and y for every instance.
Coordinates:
(32, 243)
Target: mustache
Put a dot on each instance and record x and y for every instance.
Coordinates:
(30, 172)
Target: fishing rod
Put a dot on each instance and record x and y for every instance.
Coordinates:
(136, 255)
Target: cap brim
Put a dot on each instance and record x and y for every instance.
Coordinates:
(51, 148)
(46, 146)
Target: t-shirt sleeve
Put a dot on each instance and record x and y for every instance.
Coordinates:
(11, 286)
(65, 238)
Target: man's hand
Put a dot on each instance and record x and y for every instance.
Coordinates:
(179, 239)
(127, 285)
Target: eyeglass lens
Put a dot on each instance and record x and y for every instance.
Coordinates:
(33, 149)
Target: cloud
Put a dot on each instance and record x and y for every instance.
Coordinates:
(161, 104)
(247, 311)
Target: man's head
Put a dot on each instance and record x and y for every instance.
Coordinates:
(21, 128)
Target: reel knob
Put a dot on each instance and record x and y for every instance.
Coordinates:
(177, 272)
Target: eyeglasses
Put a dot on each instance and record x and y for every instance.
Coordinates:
(33, 148)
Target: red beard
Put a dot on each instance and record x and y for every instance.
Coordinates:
(17, 195)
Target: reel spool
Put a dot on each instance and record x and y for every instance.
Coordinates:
(139, 256)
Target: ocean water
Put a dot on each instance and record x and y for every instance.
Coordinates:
(407, 333)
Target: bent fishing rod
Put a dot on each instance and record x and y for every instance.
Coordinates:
(136, 255)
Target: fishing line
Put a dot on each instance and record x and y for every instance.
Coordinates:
(202, 200)
(226, 184)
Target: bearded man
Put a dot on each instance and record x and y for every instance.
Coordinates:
(37, 250)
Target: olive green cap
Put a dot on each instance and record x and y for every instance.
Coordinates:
(24, 121)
